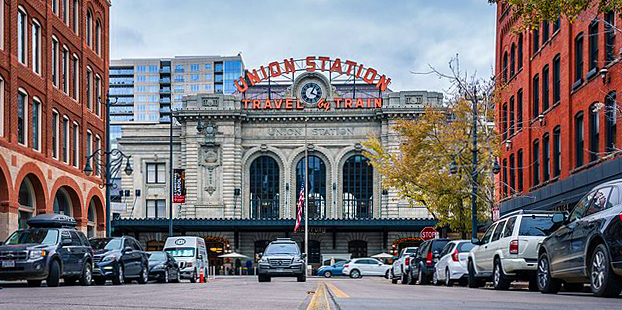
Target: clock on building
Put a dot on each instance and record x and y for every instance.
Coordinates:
(311, 92)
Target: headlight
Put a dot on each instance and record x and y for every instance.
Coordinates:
(188, 264)
(159, 266)
(109, 258)
(36, 254)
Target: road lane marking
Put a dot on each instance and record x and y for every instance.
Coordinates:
(336, 291)
(320, 298)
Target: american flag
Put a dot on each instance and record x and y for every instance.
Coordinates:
(301, 203)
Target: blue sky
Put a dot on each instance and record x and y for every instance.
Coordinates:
(395, 37)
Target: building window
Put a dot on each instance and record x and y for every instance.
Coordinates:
(22, 32)
(556, 24)
(513, 60)
(76, 78)
(610, 121)
(594, 132)
(536, 97)
(536, 40)
(65, 68)
(578, 58)
(545, 31)
(66, 12)
(512, 174)
(55, 127)
(357, 248)
(519, 170)
(36, 47)
(55, 61)
(545, 88)
(76, 17)
(578, 133)
(505, 177)
(546, 158)
(557, 151)
(505, 67)
(156, 173)
(610, 36)
(22, 116)
(504, 121)
(512, 115)
(98, 94)
(98, 37)
(36, 124)
(1, 104)
(593, 46)
(65, 133)
(98, 154)
(55, 6)
(519, 109)
(89, 147)
(557, 79)
(536, 162)
(520, 51)
(316, 188)
(76, 145)
(89, 88)
(89, 28)
(264, 188)
(194, 68)
(358, 188)
(156, 208)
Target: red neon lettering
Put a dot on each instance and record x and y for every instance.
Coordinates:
(267, 105)
(289, 65)
(358, 73)
(289, 104)
(383, 83)
(278, 103)
(377, 103)
(324, 60)
(336, 66)
(245, 101)
(359, 103)
(253, 77)
(263, 72)
(256, 104)
(244, 86)
(275, 69)
(298, 105)
(337, 102)
(311, 63)
(348, 103)
(350, 64)
(367, 79)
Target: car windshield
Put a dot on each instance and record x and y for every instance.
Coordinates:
(181, 252)
(36, 236)
(106, 244)
(157, 257)
(339, 264)
(465, 247)
(281, 248)
(410, 251)
(536, 226)
(439, 245)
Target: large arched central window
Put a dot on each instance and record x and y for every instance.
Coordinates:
(316, 188)
(62, 203)
(264, 188)
(27, 202)
(358, 188)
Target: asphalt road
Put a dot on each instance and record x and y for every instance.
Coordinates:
(317, 293)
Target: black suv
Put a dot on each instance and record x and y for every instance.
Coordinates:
(49, 250)
(118, 259)
(422, 264)
(587, 248)
(282, 258)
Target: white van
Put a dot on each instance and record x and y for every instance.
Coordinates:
(191, 255)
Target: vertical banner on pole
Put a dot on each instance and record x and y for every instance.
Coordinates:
(179, 186)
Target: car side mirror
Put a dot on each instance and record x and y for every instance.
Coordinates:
(1, 242)
(65, 241)
(303, 256)
(559, 218)
(476, 241)
(127, 249)
(259, 255)
(436, 254)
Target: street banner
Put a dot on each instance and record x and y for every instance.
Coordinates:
(179, 186)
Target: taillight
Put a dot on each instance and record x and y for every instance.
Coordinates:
(454, 256)
(346, 266)
(514, 247)
(407, 261)
(620, 217)
(429, 259)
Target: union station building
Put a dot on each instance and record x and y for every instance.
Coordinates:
(242, 158)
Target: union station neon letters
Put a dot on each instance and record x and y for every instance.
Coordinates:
(323, 104)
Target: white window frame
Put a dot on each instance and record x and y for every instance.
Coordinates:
(65, 72)
(76, 145)
(1, 27)
(55, 8)
(89, 147)
(98, 37)
(76, 17)
(25, 116)
(98, 144)
(1, 106)
(38, 113)
(36, 50)
(76, 78)
(56, 132)
(66, 12)
(22, 55)
(66, 139)
(89, 28)
(89, 88)
(55, 50)
(98, 94)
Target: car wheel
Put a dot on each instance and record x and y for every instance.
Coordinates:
(120, 278)
(499, 281)
(302, 278)
(473, 281)
(144, 275)
(54, 274)
(100, 281)
(603, 281)
(393, 278)
(546, 283)
(355, 274)
(448, 281)
(87, 274)
(410, 279)
(422, 279)
(404, 278)
(435, 280)
(261, 278)
(166, 276)
(328, 274)
(573, 287)
(386, 274)
(34, 283)
(193, 278)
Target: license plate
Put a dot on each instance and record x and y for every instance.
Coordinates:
(279, 270)
(8, 264)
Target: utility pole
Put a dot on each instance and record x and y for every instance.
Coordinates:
(170, 205)
(474, 173)
(306, 197)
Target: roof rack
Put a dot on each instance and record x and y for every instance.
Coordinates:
(527, 212)
(52, 220)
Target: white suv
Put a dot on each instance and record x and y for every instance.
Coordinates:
(359, 267)
(509, 250)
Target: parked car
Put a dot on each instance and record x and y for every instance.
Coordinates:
(119, 259)
(587, 248)
(190, 254)
(422, 265)
(452, 266)
(282, 258)
(37, 253)
(335, 269)
(368, 266)
(508, 250)
(163, 267)
(401, 265)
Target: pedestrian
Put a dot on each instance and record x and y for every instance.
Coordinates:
(249, 267)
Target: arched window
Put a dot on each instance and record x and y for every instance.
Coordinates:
(594, 132)
(358, 188)
(505, 67)
(264, 188)
(98, 34)
(89, 28)
(578, 135)
(513, 60)
(316, 188)
(27, 203)
(62, 203)
(92, 220)
(578, 59)
(536, 162)
(76, 16)
(610, 121)
(358, 248)
(520, 51)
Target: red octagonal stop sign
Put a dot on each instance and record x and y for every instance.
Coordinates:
(429, 233)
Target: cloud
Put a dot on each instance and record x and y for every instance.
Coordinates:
(395, 37)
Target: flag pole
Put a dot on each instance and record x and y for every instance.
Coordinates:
(306, 197)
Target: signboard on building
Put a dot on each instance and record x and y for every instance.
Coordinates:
(495, 214)
(179, 186)
(429, 233)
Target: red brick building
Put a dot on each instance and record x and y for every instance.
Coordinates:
(558, 112)
(53, 70)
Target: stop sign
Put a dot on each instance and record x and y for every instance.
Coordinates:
(429, 233)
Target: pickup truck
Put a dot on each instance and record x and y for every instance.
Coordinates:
(400, 267)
